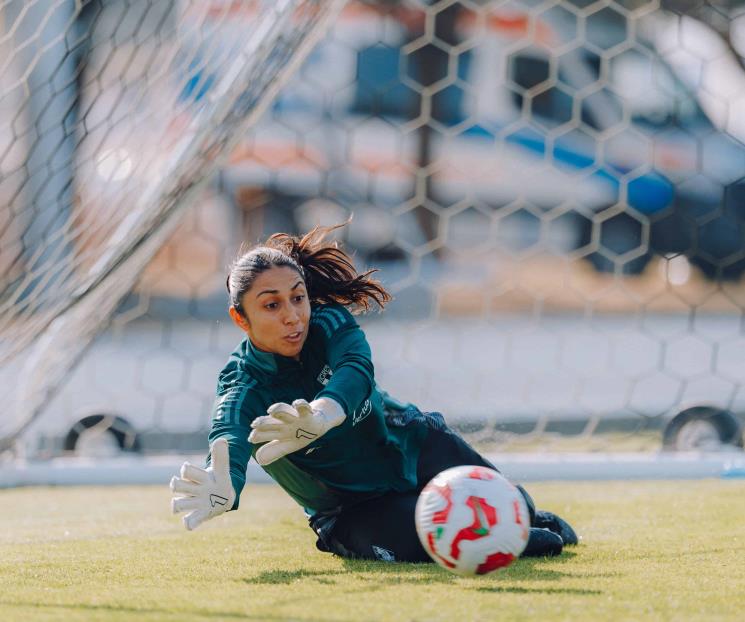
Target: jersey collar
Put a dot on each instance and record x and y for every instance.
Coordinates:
(268, 362)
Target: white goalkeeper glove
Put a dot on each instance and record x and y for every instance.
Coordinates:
(204, 493)
(289, 428)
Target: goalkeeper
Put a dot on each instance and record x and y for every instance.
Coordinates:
(299, 395)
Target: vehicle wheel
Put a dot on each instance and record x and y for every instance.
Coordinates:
(703, 427)
(102, 436)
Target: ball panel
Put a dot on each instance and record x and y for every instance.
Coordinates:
(440, 517)
(484, 517)
(432, 550)
(495, 561)
(479, 472)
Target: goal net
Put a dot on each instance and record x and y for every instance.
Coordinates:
(115, 115)
(552, 191)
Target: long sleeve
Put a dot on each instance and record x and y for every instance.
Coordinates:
(349, 357)
(231, 421)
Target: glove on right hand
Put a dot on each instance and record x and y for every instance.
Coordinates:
(204, 493)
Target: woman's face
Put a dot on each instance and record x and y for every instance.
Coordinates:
(277, 312)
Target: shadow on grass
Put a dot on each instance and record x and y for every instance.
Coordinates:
(142, 611)
(515, 589)
(373, 571)
(273, 577)
(386, 573)
(398, 573)
(378, 574)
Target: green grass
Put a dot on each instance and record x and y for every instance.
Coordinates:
(651, 551)
(637, 441)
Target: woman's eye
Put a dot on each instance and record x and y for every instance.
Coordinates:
(271, 305)
(299, 298)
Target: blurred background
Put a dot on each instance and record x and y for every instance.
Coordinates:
(554, 192)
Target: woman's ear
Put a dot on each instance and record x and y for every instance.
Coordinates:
(240, 321)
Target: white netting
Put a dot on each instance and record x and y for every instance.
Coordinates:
(118, 140)
(553, 192)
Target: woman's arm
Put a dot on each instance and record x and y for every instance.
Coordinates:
(348, 355)
(231, 422)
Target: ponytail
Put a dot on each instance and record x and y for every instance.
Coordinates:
(329, 274)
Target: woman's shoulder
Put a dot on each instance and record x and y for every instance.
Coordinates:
(236, 372)
(331, 317)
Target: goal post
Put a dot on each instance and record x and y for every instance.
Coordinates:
(75, 270)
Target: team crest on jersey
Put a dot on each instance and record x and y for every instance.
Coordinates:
(364, 410)
(325, 375)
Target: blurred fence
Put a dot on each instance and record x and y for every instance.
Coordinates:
(554, 193)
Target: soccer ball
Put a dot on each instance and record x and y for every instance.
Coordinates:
(471, 520)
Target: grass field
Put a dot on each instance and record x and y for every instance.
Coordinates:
(651, 551)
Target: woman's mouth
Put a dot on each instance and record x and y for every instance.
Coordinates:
(294, 337)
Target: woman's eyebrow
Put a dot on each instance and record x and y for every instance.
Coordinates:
(268, 291)
(276, 291)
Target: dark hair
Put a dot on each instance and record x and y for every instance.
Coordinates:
(328, 272)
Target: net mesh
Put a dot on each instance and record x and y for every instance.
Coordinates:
(552, 190)
(119, 141)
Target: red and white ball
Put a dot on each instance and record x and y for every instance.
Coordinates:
(471, 520)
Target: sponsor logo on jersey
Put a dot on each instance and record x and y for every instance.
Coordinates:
(325, 375)
(362, 412)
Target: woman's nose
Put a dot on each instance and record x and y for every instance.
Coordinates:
(291, 316)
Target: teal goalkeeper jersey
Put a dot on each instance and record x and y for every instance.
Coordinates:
(362, 457)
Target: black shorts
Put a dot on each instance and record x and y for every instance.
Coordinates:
(383, 527)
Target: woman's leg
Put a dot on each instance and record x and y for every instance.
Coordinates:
(443, 448)
(382, 528)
